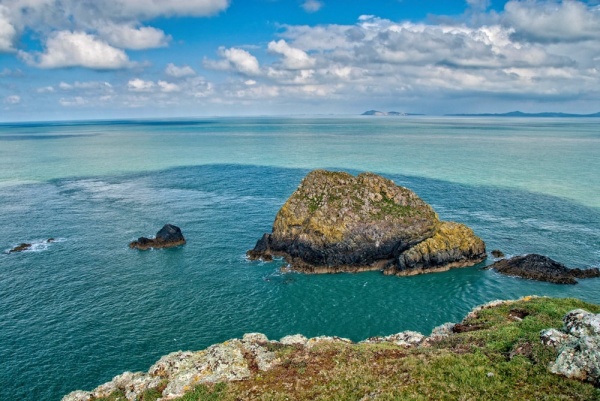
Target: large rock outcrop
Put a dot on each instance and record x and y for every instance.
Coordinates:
(578, 346)
(542, 268)
(337, 222)
(167, 237)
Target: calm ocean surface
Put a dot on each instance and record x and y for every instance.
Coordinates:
(76, 312)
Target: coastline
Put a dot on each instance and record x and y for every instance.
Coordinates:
(254, 361)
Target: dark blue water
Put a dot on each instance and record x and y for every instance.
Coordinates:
(76, 312)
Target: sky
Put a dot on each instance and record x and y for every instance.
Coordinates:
(105, 59)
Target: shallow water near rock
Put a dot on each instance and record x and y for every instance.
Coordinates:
(78, 311)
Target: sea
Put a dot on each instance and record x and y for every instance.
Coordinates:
(76, 311)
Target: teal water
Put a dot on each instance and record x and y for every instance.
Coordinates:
(79, 311)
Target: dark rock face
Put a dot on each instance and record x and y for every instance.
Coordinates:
(497, 253)
(336, 222)
(167, 237)
(20, 248)
(542, 268)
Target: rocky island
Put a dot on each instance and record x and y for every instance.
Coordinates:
(336, 222)
(542, 268)
(167, 237)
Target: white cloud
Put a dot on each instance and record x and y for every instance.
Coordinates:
(312, 6)
(74, 101)
(152, 8)
(551, 21)
(235, 59)
(139, 85)
(168, 86)
(293, 59)
(7, 31)
(13, 99)
(106, 27)
(378, 58)
(86, 85)
(46, 89)
(130, 37)
(179, 72)
(78, 49)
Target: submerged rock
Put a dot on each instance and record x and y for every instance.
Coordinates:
(497, 253)
(542, 268)
(578, 346)
(21, 247)
(26, 246)
(336, 222)
(167, 237)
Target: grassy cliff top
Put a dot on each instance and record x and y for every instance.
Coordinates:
(500, 358)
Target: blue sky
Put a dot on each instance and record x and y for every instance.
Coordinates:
(80, 59)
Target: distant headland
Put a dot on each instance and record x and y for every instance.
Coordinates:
(388, 113)
(521, 114)
(509, 114)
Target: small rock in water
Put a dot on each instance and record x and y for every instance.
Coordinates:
(21, 247)
(542, 268)
(167, 237)
(497, 253)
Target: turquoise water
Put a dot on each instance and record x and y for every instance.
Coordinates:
(78, 311)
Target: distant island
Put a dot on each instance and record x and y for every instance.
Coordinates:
(509, 114)
(521, 114)
(388, 113)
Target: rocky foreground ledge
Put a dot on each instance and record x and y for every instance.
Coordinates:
(336, 222)
(501, 350)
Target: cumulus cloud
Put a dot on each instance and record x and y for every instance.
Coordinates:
(131, 37)
(168, 86)
(114, 23)
(72, 49)
(152, 8)
(235, 59)
(377, 58)
(139, 85)
(179, 72)
(293, 59)
(552, 21)
(312, 6)
(7, 31)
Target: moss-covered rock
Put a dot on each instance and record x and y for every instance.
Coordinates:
(338, 222)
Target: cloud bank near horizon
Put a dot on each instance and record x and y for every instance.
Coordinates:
(531, 51)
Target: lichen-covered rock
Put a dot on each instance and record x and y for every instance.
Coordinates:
(453, 245)
(542, 268)
(167, 237)
(295, 339)
(405, 339)
(337, 222)
(179, 372)
(442, 331)
(78, 395)
(581, 323)
(315, 341)
(578, 346)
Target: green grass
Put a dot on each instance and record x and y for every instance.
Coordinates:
(503, 361)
